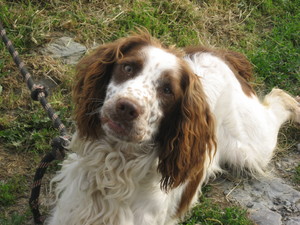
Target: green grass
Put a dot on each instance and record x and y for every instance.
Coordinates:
(10, 189)
(161, 18)
(267, 31)
(7, 198)
(209, 213)
(29, 131)
(14, 219)
(278, 53)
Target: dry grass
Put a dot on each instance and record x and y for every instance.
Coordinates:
(44, 69)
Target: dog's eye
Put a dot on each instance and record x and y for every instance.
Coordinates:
(127, 68)
(167, 89)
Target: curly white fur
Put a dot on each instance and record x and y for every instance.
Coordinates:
(102, 184)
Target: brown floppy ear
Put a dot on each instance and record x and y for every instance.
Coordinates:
(93, 76)
(186, 134)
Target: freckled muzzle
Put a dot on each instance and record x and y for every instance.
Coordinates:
(123, 119)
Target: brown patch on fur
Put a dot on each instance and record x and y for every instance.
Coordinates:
(188, 194)
(237, 62)
(186, 134)
(169, 80)
(132, 59)
(93, 76)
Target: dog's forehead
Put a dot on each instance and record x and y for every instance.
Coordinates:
(158, 60)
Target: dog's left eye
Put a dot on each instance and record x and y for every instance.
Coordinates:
(167, 89)
(127, 68)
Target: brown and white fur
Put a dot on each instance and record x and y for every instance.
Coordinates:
(153, 123)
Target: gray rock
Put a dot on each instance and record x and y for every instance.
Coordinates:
(270, 201)
(250, 205)
(293, 221)
(264, 216)
(65, 48)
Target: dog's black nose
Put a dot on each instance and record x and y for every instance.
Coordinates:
(127, 109)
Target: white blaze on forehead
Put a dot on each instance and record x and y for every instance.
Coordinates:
(159, 60)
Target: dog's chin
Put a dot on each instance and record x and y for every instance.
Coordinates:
(118, 132)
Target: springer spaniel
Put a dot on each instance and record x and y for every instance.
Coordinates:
(153, 124)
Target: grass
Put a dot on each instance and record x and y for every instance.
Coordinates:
(9, 190)
(215, 212)
(28, 131)
(264, 30)
(277, 56)
(210, 213)
(7, 197)
(15, 219)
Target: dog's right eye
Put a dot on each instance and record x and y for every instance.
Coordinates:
(128, 69)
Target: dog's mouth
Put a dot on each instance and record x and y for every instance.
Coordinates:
(126, 131)
(114, 126)
(123, 131)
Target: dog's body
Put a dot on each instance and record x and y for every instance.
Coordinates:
(150, 131)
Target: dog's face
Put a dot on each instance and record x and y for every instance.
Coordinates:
(145, 85)
(136, 91)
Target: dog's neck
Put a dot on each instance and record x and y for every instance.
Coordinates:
(108, 161)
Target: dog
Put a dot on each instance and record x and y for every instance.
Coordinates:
(154, 123)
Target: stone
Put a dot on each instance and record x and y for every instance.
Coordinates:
(265, 216)
(269, 201)
(249, 204)
(66, 49)
(293, 221)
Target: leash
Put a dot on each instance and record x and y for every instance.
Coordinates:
(59, 144)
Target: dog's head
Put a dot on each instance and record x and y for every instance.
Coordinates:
(135, 90)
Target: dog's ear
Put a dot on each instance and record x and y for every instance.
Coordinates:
(93, 76)
(187, 135)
